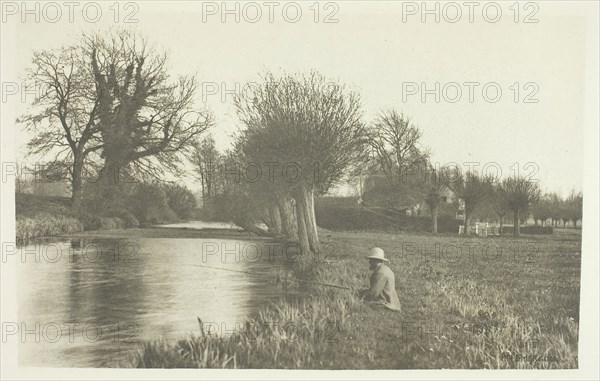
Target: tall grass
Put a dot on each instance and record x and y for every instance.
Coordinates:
(40, 216)
(499, 337)
(45, 225)
(284, 335)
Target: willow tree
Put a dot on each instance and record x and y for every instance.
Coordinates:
(555, 203)
(473, 189)
(521, 194)
(434, 192)
(309, 128)
(269, 180)
(541, 210)
(499, 202)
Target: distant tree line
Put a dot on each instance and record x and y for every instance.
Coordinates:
(555, 210)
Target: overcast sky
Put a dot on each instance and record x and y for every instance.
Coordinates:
(372, 50)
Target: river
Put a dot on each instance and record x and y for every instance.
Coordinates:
(88, 303)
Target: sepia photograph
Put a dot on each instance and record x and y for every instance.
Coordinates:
(300, 190)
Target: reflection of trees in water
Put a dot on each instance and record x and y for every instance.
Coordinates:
(106, 284)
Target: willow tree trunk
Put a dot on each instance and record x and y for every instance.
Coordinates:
(308, 202)
(501, 224)
(251, 228)
(467, 221)
(275, 217)
(434, 218)
(516, 228)
(288, 218)
(305, 252)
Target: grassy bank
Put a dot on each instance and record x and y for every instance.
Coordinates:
(39, 216)
(42, 216)
(502, 303)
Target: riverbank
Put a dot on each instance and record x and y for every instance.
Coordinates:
(46, 217)
(38, 216)
(466, 303)
(168, 232)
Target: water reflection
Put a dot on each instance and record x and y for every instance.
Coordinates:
(203, 225)
(92, 305)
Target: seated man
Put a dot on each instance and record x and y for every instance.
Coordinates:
(383, 282)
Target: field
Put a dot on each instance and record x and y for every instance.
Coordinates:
(466, 303)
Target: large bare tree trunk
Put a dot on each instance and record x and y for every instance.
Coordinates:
(434, 217)
(76, 185)
(113, 167)
(467, 221)
(111, 177)
(516, 228)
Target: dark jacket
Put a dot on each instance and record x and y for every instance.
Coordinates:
(383, 288)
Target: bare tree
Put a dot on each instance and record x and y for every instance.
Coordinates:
(111, 98)
(206, 159)
(147, 121)
(64, 116)
(399, 155)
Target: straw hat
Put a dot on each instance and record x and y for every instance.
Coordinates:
(376, 253)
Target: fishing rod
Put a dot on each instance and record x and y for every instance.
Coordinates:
(259, 274)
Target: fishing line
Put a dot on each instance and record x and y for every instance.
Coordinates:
(290, 279)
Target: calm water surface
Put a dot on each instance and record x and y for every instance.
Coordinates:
(95, 304)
